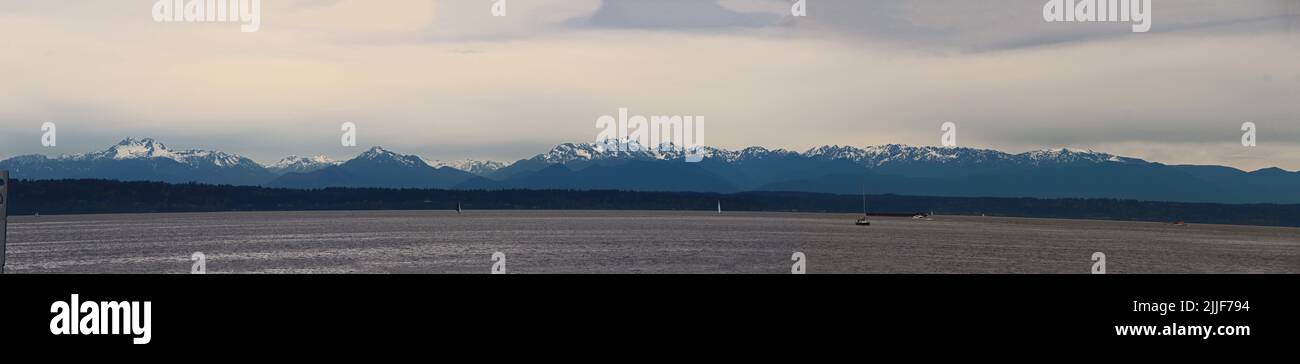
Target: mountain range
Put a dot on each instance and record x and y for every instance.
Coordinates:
(886, 169)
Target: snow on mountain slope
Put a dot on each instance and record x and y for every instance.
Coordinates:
(148, 148)
(296, 164)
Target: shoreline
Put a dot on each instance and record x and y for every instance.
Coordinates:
(848, 216)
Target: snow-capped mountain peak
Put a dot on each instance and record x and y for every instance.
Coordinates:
(837, 152)
(296, 160)
(130, 148)
(379, 154)
(148, 148)
(298, 164)
(1065, 155)
(569, 152)
(468, 165)
(871, 156)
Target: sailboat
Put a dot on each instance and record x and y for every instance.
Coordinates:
(924, 216)
(458, 209)
(719, 206)
(864, 221)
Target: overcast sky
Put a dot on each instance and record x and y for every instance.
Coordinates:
(446, 80)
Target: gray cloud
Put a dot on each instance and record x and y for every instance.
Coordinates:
(1009, 24)
(672, 15)
(448, 81)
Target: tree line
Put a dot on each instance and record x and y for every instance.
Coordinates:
(53, 197)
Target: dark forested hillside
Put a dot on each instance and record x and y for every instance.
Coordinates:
(99, 196)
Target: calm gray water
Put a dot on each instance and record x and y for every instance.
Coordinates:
(630, 242)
